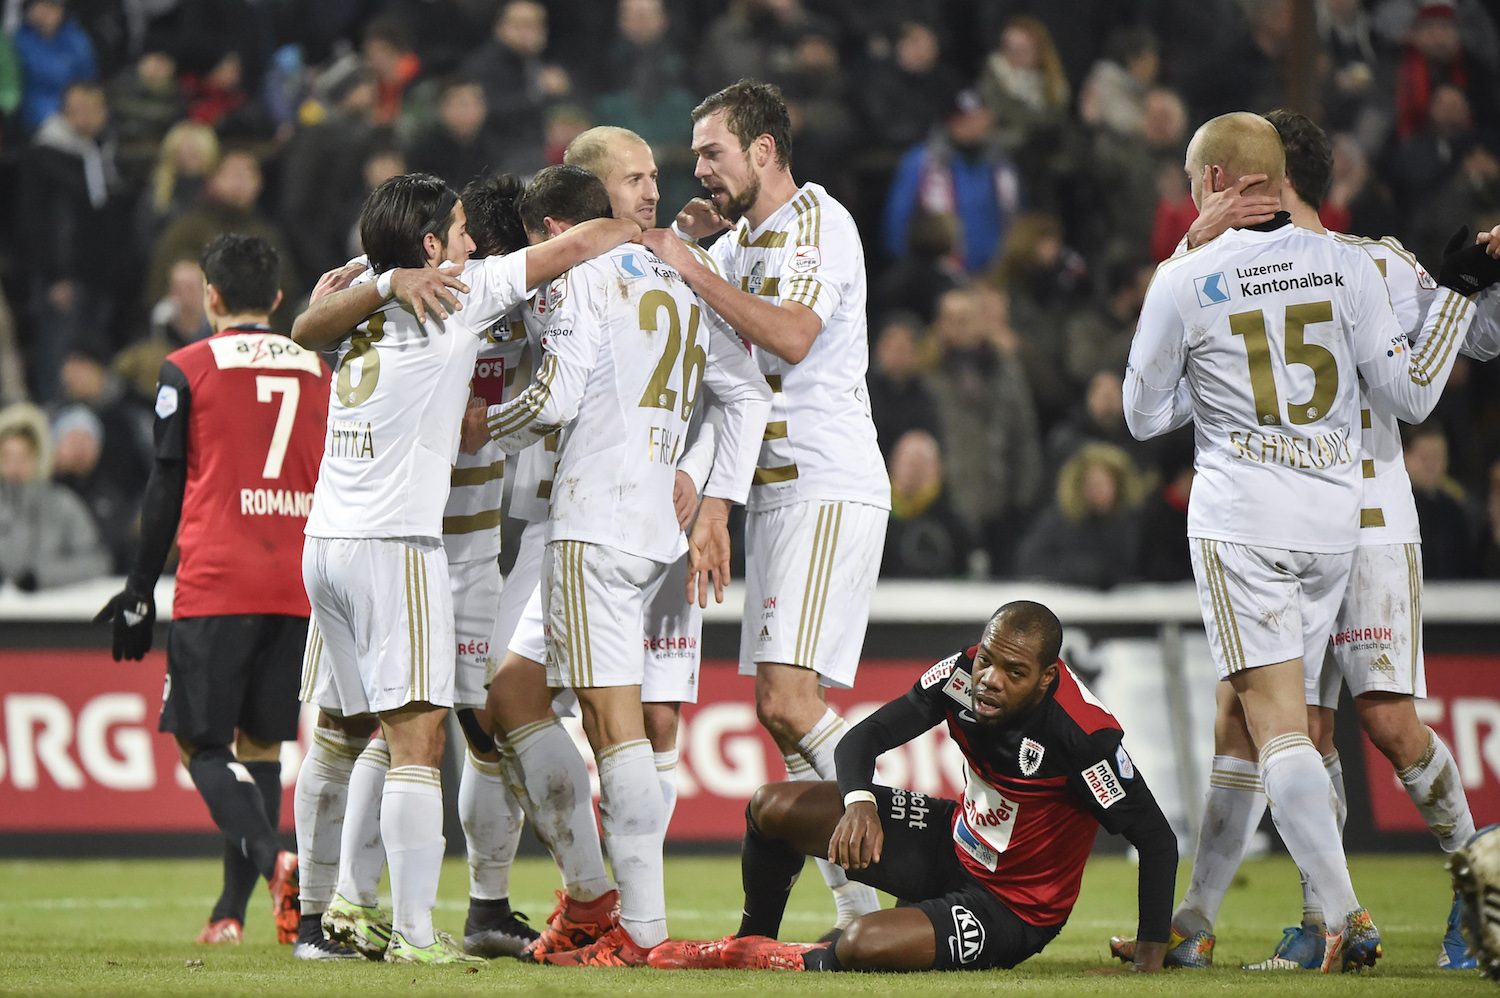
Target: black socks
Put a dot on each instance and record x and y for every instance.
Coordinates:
(768, 870)
(236, 803)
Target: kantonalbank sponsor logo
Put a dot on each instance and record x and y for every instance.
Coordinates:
(1250, 288)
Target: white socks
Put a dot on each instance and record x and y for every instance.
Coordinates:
(361, 853)
(1438, 792)
(1231, 813)
(666, 775)
(318, 805)
(630, 808)
(557, 782)
(850, 898)
(1311, 913)
(411, 822)
(492, 821)
(1303, 807)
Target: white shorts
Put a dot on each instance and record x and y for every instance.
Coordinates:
(594, 601)
(1266, 605)
(381, 633)
(529, 640)
(810, 571)
(476, 592)
(1377, 636)
(520, 585)
(673, 641)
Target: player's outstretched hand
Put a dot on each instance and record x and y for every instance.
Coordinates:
(1490, 241)
(476, 428)
(427, 288)
(699, 218)
(1230, 208)
(131, 614)
(858, 838)
(684, 499)
(665, 244)
(708, 552)
(1467, 267)
(336, 280)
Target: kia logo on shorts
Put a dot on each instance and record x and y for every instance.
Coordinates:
(968, 936)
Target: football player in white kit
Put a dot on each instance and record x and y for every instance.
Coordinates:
(1273, 327)
(374, 567)
(628, 349)
(1378, 621)
(794, 287)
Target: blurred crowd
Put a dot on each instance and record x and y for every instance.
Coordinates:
(1015, 167)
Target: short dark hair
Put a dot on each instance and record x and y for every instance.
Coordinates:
(391, 29)
(1035, 620)
(564, 193)
(1309, 154)
(245, 270)
(494, 220)
(399, 213)
(753, 109)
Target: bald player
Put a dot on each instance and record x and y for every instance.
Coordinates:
(1259, 338)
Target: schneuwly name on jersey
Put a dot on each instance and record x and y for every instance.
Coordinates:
(1324, 450)
(1249, 289)
(351, 440)
(275, 502)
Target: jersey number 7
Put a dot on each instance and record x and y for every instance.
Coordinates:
(290, 389)
(1296, 350)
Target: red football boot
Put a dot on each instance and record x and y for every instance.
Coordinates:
(286, 905)
(690, 954)
(613, 949)
(574, 924)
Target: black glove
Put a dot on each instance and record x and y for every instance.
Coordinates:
(132, 612)
(1467, 269)
(27, 582)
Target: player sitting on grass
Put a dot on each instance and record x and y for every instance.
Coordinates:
(985, 882)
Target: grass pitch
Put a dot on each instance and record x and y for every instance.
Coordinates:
(126, 928)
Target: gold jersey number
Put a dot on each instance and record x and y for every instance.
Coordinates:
(1296, 350)
(361, 348)
(657, 395)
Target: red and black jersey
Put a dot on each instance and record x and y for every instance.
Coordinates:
(1038, 788)
(247, 410)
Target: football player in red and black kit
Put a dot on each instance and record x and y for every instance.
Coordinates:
(240, 418)
(984, 882)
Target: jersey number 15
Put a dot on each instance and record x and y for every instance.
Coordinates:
(1296, 350)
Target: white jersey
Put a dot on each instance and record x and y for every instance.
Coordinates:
(820, 441)
(1483, 341)
(1388, 513)
(627, 349)
(531, 471)
(395, 409)
(1260, 338)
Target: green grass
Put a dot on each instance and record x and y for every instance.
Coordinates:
(126, 927)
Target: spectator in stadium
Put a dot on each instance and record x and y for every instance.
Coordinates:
(12, 366)
(1447, 532)
(145, 101)
(905, 94)
(79, 442)
(1491, 549)
(175, 321)
(1098, 418)
(1128, 165)
(124, 419)
(899, 401)
(985, 884)
(915, 282)
(824, 127)
(957, 173)
(54, 52)
(187, 155)
(1089, 536)
(1246, 69)
(322, 176)
(1434, 57)
(442, 32)
(1164, 553)
(228, 205)
(752, 39)
(1358, 202)
(993, 456)
(1353, 91)
(1099, 336)
(70, 218)
(457, 147)
(217, 96)
(1114, 94)
(47, 537)
(925, 538)
(387, 52)
(1044, 279)
(518, 86)
(1447, 174)
(1027, 93)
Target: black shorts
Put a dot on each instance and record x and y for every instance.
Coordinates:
(975, 930)
(239, 672)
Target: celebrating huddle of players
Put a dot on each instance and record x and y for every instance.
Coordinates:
(632, 387)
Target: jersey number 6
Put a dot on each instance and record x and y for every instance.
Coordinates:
(657, 395)
(1252, 326)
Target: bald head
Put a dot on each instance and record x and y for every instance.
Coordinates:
(1232, 146)
(623, 160)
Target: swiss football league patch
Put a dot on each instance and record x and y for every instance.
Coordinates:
(1123, 764)
(166, 401)
(938, 672)
(557, 293)
(805, 258)
(1102, 783)
(1425, 279)
(1031, 757)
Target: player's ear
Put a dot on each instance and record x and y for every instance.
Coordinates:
(213, 302)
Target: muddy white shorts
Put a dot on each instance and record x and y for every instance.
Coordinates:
(520, 586)
(594, 603)
(673, 641)
(1377, 636)
(476, 593)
